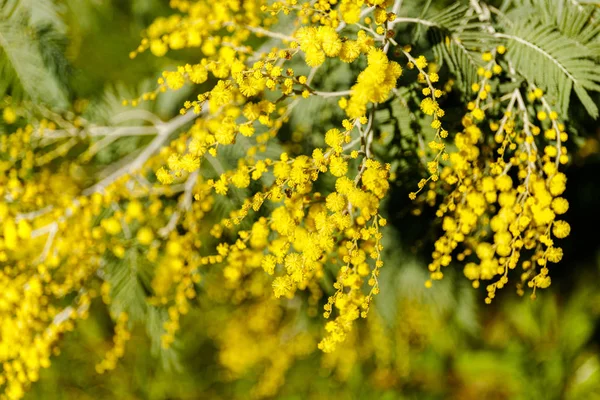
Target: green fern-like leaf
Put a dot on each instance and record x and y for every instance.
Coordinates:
(460, 59)
(23, 72)
(42, 13)
(553, 61)
(457, 41)
(155, 319)
(128, 294)
(571, 18)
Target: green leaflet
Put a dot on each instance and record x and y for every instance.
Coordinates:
(557, 50)
(24, 72)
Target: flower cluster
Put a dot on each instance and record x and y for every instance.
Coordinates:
(122, 335)
(302, 232)
(504, 212)
(221, 204)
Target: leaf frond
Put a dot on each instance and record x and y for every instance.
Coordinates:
(557, 63)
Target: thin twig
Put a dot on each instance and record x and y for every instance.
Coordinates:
(164, 130)
(184, 205)
(333, 94)
(263, 32)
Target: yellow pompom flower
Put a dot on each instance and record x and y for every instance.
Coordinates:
(561, 229)
(337, 166)
(145, 236)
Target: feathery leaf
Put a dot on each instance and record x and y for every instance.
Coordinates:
(22, 68)
(553, 61)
